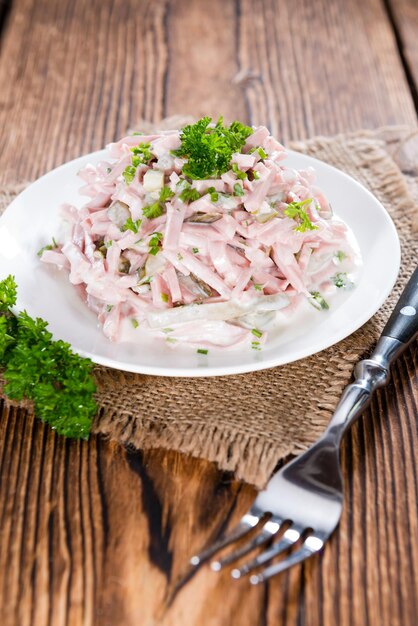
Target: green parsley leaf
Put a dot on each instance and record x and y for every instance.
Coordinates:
(296, 211)
(143, 153)
(238, 190)
(189, 195)
(134, 322)
(318, 301)
(195, 250)
(131, 225)
(153, 210)
(8, 293)
(155, 243)
(342, 281)
(202, 351)
(166, 194)
(209, 150)
(256, 332)
(340, 256)
(129, 174)
(59, 382)
(51, 246)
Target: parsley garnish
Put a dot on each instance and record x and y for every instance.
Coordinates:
(131, 225)
(341, 280)
(202, 351)
(129, 173)
(142, 153)
(209, 150)
(166, 194)
(134, 322)
(340, 256)
(297, 211)
(155, 243)
(51, 246)
(153, 210)
(318, 301)
(189, 195)
(195, 250)
(256, 332)
(164, 297)
(59, 382)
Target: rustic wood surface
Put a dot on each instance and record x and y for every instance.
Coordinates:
(93, 534)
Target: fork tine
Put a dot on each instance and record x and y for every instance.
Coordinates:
(290, 537)
(258, 540)
(245, 525)
(308, 548)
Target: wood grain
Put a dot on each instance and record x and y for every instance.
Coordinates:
(404, 17)
(94, 534)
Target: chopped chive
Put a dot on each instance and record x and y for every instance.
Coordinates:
(134, 322)
(164, 297)
(256, 332)
(202, 351)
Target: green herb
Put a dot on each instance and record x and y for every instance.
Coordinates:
(59, 382)
(136, 133)
(146, 280)
(170, 340)
(51, 246)
(153, 210)
(209, 150)
(109, 307)
(129, 173)
(258, 286)
(108, 243)
(195, 250)
(255, 345)
(239, 173)
(253, 175)
(166, 194)
(318, 301)
(143, 153)
(214, 196)
(238, 190)
(340, 255)
(108, 170)
(155, 243)
(341, 281)
(168, 330)
(134, 322)
(164, 297)
(263, 154)
(189, 195)
(297, 211)
(179, 256)
(202, 351)
(256, 332)
(131, 225)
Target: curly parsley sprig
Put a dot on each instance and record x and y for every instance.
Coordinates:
(208, 149)
(59, 382)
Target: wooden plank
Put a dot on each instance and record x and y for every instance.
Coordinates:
(86, 71)
(404, 15)
(92, 534)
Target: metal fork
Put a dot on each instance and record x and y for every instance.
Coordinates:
(302, 503)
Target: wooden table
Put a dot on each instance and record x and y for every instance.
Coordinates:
(92, 533)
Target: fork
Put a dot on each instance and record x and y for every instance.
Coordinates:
(302, 503)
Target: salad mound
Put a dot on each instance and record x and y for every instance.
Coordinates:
(201, 236)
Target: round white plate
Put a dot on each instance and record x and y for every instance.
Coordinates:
(33, 219)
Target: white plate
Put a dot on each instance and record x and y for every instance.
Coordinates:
(33, 219)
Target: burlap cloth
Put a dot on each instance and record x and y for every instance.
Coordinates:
(248, 423)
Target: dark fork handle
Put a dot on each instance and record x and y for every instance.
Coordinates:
(403, 323)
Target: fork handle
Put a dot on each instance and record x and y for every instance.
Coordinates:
(400, 330)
